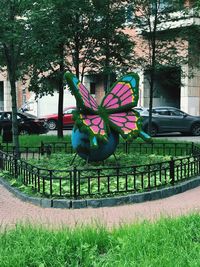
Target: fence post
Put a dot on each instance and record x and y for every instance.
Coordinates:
(192, 148)
(42, 148)
(15, 166)
(172, 171)
(1, 161)
(75, 182)
(48, 150)
(126, 147)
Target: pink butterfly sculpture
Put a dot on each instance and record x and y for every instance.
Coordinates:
(115, 113)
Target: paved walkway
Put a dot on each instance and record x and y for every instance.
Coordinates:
(13, 210)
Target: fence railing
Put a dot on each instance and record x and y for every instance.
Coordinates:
(173, 149)
(78, 182)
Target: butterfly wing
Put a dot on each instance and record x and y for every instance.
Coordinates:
(126, 123)
(92, 124)
(118, 104)
(84, 100)
(123, 94)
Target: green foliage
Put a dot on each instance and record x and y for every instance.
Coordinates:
(13, 40)
(62, 161)
(13, 32)
(76, 35)
(165, 243)
(134, 171)
(115, 47)
(164, 46)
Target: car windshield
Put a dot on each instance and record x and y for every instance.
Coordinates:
(69, 111)
(26, 115)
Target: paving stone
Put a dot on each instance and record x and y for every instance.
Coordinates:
(61, 203)
(136, 198)
(35, 200)
(78, 204)
(46, 203)
(94, 203)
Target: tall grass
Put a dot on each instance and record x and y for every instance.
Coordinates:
(166, 243)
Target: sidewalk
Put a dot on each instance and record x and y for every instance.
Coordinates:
(13, 210)
(179, 137)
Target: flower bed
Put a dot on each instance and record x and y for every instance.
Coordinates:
(53, 176)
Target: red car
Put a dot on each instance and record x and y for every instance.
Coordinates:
(68, 122)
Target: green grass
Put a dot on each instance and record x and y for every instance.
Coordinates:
(35, 140)
(165, 243)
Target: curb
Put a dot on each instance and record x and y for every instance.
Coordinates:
(104, 202)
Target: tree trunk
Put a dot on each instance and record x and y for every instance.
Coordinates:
(60, 110)
(61, 95)
(14, 117)
(153, 66)
(11, 66)
(107, 52)
(152, 75)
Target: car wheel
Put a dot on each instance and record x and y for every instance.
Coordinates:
(154, 130)
(195, 129)
(23, 132)
(52, 124)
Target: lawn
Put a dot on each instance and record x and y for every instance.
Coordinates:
(165, 243)
(35, 140)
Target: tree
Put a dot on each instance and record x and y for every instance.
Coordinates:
(161, 44)
(61, 40)
(76, 36)
(115, 47)
(12, 46)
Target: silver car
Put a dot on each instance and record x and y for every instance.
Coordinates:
(170, 119)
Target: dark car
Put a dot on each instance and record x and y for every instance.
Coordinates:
(170, 119)
(68, 121)
(27, 124)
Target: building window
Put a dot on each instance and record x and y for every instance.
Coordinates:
(129, 13)
(23, 96)
(167, 5)
(1, 91)
(92, 88)
(1, 95)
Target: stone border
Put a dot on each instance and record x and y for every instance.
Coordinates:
(104, 202)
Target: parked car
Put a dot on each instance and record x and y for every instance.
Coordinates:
(170, 119)
(52, 119)
(27, 124)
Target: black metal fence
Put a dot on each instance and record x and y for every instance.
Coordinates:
(78, 182)
(173, 149)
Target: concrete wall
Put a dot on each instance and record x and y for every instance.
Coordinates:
(190, 92)
(49, 104)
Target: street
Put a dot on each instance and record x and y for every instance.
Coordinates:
(65, 132)
(168, 136)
